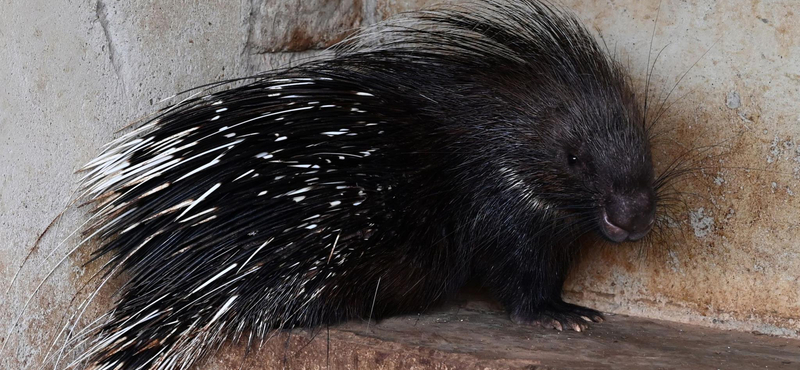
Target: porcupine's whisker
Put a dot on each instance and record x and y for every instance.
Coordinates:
(649, 73)
(662, 110)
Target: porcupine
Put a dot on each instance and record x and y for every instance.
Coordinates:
(473, 142)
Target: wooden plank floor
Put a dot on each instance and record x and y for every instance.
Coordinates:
(476, 335)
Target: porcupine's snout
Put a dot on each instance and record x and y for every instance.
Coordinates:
(628, 216)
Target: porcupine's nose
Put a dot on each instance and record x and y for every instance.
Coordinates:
(628, 216)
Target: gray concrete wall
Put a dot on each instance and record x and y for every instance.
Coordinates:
(71, 73)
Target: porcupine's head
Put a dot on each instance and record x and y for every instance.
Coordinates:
(592, 158)
(554, 116)
(582, 145)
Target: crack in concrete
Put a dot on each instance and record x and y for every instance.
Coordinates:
(250, 25)
(102, 16)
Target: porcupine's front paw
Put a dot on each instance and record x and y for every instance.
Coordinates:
(558, 315)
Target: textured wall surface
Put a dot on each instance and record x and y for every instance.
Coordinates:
(74, 72)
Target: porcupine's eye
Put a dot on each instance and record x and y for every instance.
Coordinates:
(572, 160)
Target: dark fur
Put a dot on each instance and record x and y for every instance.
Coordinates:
(478, 115)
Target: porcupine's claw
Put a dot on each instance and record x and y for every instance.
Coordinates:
(559, 316)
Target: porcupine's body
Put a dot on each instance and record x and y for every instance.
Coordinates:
(470, 145)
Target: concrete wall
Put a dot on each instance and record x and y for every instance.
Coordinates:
(71, 73)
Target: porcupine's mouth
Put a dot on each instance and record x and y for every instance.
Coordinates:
(628, 215)
(618, 234)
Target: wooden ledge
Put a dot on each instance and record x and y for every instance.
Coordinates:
(476, 335)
